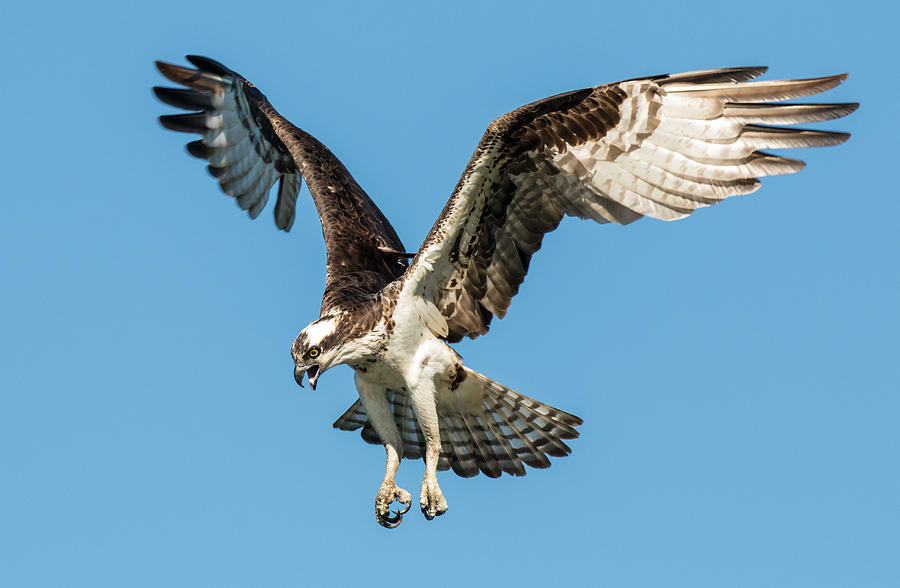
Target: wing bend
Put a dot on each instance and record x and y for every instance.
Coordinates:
(661, 146)
(250, 146)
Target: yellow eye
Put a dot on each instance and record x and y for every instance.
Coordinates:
(314, 352)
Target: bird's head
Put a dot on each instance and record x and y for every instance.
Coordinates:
(315, 349)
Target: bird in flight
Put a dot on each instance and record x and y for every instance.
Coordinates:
(659, 146)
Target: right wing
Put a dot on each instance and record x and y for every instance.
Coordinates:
(250, 146)
(661, 146)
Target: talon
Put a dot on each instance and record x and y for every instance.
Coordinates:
(432, 501)
(390, 522)
(386, 517)
(407, 504)
(430, 512)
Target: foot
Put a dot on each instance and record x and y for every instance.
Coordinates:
(387, 494)
(432, 499)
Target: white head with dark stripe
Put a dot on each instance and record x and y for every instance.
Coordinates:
(315, 349)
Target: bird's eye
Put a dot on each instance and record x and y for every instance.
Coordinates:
(314, 352)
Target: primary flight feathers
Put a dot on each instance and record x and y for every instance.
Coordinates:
(250, 146)
(659, 146)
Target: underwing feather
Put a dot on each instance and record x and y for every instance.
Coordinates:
(660, 146)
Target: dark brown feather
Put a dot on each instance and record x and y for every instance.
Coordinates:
(506, 432)
(186, 99)
(545, 160)
(570, 118)
(361, 244)
(192, 122)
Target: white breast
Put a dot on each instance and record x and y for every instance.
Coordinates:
(412, 345)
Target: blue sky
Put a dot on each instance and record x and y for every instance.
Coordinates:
(737, 371)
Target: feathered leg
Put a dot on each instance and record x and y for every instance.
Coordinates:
(382, 419)
(423, 394)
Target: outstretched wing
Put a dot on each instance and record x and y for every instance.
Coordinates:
(661, 146)
(250, 146)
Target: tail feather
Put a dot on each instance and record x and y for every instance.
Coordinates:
(353, 418)
(405, 419)
(524, 448)
(489, 447)
(457, 444)
(510, 462)
(502, 433)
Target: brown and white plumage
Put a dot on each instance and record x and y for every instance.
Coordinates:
(659, 146)
(501, 431)
(662, 146)
(250, 146)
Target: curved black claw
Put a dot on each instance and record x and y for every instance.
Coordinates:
(391, 520)
(430, 517)
(400, 513)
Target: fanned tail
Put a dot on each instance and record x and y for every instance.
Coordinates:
(502, 431)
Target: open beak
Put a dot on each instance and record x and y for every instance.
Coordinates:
(313, 373)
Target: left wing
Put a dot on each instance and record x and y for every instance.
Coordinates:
(662, 146)
(237, 137)
(250, 146)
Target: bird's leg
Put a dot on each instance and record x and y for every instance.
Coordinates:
(379, 410)
(431, 499)
(389, 491)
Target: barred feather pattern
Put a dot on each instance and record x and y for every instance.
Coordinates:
(250, 146)
(238, 140)
(504, 434)
(662, 146)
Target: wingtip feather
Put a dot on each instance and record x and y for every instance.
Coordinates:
(198, 149)
(183, 98)
(176, 73)
(206, 79)
(765, 90)
(210, 65)
(191, 122)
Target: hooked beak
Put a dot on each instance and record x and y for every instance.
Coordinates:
(313, 373)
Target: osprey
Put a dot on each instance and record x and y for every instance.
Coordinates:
(659, 146)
